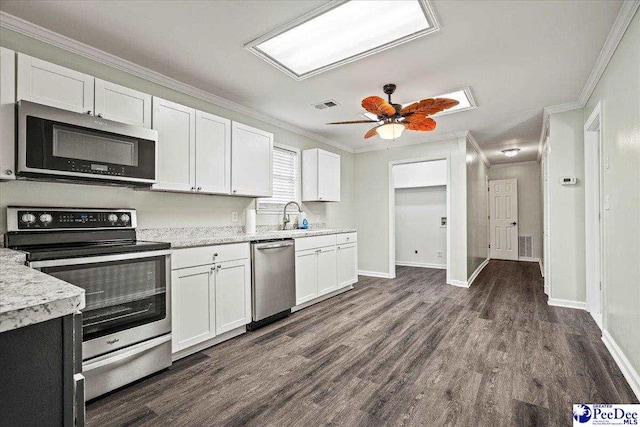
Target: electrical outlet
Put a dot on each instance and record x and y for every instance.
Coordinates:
(234, 216)
(439, 254)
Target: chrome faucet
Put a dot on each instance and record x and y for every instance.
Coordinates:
(285, 217)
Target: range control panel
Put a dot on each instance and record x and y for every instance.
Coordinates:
(22, 219)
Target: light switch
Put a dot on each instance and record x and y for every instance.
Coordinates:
(234, 216)
(606, 162)
(605, 202)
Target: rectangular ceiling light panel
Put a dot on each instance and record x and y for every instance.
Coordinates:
(342, 32)
(463, 96)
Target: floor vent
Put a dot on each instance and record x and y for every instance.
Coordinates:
(326, 104)
(525, 246)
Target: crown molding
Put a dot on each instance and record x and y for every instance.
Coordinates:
(620, 25)
(37, 32)
(475, 145)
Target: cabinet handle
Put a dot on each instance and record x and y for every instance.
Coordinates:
(218, 267)
(234, 191)
(213, 269)
(215, 255)
(89, 112)
(193, 188)
(100, 115)
(199, 188)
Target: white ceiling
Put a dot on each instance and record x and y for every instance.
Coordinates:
(517, 57)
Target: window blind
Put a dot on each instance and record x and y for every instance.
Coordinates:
(285, 180)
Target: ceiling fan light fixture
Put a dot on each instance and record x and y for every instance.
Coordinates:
(511, 152)
(390, 130)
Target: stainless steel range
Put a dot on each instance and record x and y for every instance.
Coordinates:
(126, 323)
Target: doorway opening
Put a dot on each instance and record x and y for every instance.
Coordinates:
(419, 200)
(594, 213)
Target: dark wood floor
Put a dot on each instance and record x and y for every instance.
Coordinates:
(409, 351)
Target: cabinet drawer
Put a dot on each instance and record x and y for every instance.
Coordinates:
(346, 238)
(304, 243)
(191, 257)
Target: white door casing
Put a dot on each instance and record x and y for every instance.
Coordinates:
(503, 201)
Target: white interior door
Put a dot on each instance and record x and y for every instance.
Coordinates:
(503, 218)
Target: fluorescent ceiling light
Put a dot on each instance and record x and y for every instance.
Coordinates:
(342, 32)
(512, 152)
(463, 96)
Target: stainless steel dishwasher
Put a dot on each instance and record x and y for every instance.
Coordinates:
(273, 281)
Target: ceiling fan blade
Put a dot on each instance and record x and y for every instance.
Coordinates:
(428, 106)
(420, 123)
(371, 132)
(378, 106)
(352, 122)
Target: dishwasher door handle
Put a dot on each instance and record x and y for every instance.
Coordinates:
(278, 245)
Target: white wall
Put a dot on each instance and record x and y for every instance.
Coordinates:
(477, 210)
(418, 229)
(372, 202)
(163, 209)
(566, 206)
(619, 92)
(529, 201)
(420, 174)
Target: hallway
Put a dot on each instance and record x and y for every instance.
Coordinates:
(407, 351)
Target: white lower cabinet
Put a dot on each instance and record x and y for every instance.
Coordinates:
(327, 275)
(233, 295)
(347, 260)
(306, 275)
(193, 311)
(211, 299)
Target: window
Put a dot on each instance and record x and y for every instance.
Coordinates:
(286, 180)
(341, 32)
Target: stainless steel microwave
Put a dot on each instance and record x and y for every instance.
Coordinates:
(57, 143)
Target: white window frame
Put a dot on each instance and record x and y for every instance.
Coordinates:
(298, 199)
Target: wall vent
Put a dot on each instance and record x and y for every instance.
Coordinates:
(326, 104)
(525, 246)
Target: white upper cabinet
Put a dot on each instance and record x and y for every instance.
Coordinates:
(320, 176)
(46, 83)
(7, 113)
(121, 104)
(213, 154)
(251, 161)
(176, 126)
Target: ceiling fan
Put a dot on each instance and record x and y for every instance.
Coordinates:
(395, 119)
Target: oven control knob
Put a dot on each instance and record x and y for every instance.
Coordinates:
(112, 217)
(28, 218)
(124, 218)
(46, 218)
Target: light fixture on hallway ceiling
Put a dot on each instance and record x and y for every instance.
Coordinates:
(511, 152)
(392, 118)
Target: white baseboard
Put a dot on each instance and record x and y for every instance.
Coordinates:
(320, 299)
(541, 267)
(527, 259)
(475, 273)
(568, 303)
(630, 374)
(459, 283)
(597, 317)
(421, 265)
(374, 274)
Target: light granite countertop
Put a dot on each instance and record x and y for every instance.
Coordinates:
(203, 236)
(28, 296)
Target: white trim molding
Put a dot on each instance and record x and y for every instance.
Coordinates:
(374, 274)
(474, 143)
(527, 259)
(458, 283)
(542, 271)
(579, 305)
(620, 25)
(477, 272)
(630, 374)
(37, 32)
(421, 265)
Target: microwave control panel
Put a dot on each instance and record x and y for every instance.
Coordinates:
(57, 219)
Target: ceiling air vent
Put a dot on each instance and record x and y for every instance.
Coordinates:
(326, 104)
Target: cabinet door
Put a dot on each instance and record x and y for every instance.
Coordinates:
(347, 259)
(328, 176)
(306, 275)
(46, 83)
(193, 306)
(233, 295)
(176, 126)
(121, 104)
(251, 161)
(327, 274)
(7, 113)
(213, 154)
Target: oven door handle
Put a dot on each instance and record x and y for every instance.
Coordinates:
(98, 259)
(136, 349)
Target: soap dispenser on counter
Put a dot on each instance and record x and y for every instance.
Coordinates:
(304, 222)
